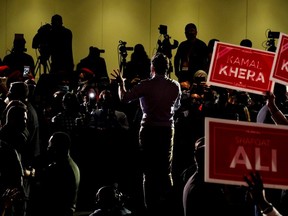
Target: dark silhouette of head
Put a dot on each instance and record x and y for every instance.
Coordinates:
(19, 43)
(160, 63)
(106, 100)
(139, 48)
(56, 20)
(59, 145)
(246, 43)
(139, 53)
(18, 91)
(211, 44)
(106, 197)
(16, 115)
(56, 103)
(190, 31)
(94, 51)
(70, 102)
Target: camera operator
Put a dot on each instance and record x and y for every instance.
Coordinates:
(60, 45)
(40, 42)
(271, 41)
(55, 41)
(122, 52)
(17, 59)
(165, 45)
(96, 64)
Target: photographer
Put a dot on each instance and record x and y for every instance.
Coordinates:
(17, 59)
(122, 52)
(55, 41)
(96, 64)
(165, 45)
(60, 45)
(40, 41)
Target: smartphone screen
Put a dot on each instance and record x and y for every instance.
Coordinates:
(26, 71)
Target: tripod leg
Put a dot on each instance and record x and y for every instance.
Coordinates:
(37, 67)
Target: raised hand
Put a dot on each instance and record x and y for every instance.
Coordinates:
(118, 76)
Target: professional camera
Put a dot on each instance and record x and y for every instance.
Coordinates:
(123, 49)
(41, 40)
(163, 29)
(274, 35)
(270, 43)
(165, 45)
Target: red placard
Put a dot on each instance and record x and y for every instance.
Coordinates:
(233, 149)
(241, 68)
(279, 71)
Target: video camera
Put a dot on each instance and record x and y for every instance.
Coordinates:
(272, 34)
(163, 29)
(40, 40)
(271, 42)
(165, 46)
(123, 49)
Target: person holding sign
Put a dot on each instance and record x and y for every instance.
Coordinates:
(276, 114)
(224, 199)
(257, 193)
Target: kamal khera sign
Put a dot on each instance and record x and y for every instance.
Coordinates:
(241, 68)
(234, 149)
(280, 65)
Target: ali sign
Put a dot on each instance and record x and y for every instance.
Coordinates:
(234, 149)
(280, 65)
(241, 68)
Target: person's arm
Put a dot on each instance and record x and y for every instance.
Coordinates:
(7, 198)
(257, 193)
(276, 114)
(177, 62)
(121, 83)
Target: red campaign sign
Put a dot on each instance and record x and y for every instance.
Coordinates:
(280, 65)
(241, 68)
(234, 149)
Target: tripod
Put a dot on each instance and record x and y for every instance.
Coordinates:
(123, 63)
(166, 47)
(44, 62)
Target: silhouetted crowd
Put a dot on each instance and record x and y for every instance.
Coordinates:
(68, 142)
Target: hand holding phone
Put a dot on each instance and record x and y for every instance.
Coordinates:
(26, 71)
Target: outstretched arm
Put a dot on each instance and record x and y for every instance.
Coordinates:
(276, 114)
(121, 82)
(257, 193)
(7, 198)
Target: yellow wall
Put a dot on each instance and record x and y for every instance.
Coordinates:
(102, 23)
